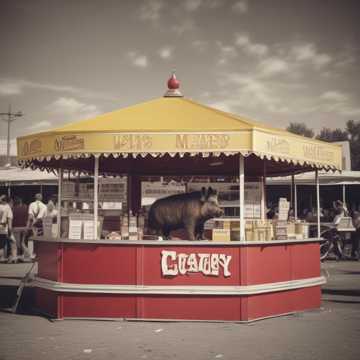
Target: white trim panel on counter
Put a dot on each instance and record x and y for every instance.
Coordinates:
(175, 290)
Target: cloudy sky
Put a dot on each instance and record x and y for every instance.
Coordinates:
(275, 61)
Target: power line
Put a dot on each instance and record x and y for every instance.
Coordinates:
(9, 118)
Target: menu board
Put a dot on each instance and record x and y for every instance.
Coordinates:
(88, 229)
(81, 226)
(252, 195)
(75, 229)
(284, 207)
(151, 191)
(68, 189)
(71, 190)
(113, 189)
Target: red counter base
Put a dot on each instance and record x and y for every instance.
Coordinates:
(126, 280)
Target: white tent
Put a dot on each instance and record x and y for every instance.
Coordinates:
(17, 176)
(329, 178)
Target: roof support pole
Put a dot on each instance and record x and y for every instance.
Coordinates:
(60, 182)
(96, 192)
(241, 196)
(293, 188)
(317, 201)
(263, 193)
(295, 201)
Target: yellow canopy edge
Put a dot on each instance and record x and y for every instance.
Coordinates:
(176, 125)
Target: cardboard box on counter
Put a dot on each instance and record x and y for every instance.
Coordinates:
(221, 235)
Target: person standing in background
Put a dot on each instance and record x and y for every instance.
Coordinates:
(6, 218)
(51, 209)
(37, 211)
(20, 211)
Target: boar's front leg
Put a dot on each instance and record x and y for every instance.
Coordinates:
(166, 233)
(199, 231)
(190, 228)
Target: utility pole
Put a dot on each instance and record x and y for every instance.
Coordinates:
(9, 119)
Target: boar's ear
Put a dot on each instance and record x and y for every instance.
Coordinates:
(203, 194)
(210, 192)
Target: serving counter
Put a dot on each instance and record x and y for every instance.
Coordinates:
(176, 280)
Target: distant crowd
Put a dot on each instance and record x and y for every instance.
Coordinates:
(18, 222)
(332, 216)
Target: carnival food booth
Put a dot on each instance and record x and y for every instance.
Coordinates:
(101, 261)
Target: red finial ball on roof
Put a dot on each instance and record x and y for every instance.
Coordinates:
(173, 83)
(173, 87)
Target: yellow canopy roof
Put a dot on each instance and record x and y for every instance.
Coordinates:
(175, 125)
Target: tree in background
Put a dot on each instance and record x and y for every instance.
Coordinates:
(329, 135)
(353, 129)
(351, 133)
(300, 129)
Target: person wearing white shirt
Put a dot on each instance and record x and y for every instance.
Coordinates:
(37, 211)
(6, 218)
(340, 212)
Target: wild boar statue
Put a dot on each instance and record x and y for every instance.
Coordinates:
(189, 211)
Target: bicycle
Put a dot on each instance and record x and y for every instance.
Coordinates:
(337, 239)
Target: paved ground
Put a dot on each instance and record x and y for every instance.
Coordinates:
(333, 332)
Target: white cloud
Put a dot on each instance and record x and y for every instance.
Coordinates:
(151, 10)
(222, 105)
(336, 101)
(350, 111)
(308, 53)
(334, 95)
(72, 107)
(227, 53)
(10, 88)
(248, 92)
(200, 45)
(274, 66)
(257, 49)
(141, 61)
(18, 86)
(243, 41)
(40, 125)
(166, 52)
(214, 4)
(185, 26)
(138, 60)
(192, 5)
(240, 7)
(321, 60)
(345, 61)
(304, 52)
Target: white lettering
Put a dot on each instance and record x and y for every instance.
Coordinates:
(164, 263)
(192, 263)
(224, 261)
(204, 264)
(173, 264)
(182, 263)
(214, 261)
